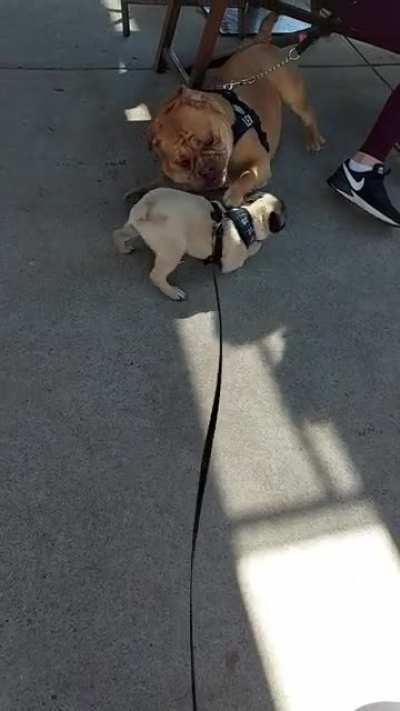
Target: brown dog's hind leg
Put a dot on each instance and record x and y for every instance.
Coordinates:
(295, 96)
(314, 140)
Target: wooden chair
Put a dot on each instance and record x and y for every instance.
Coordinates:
(317, 17)
(166, 55)
(241, 4)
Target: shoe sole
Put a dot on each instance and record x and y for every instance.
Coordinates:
(356, 200)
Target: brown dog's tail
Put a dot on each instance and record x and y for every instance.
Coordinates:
(267, 25)
(264, 35)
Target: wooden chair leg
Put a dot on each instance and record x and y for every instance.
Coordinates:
(242, 12)
(126, 30)
(167, 33)
(208, 41)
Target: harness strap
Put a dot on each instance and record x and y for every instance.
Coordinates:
(217, 215)
(245, 118)
(243, 222)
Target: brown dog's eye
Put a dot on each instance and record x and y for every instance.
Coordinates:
(185, 163)
(209, 141)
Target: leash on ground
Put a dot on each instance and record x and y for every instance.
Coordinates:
(204, 467)
(293, 55)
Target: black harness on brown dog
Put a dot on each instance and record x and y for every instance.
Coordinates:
(245, 118)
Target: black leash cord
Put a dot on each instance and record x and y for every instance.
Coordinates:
(205, 464)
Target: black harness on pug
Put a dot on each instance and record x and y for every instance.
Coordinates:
(243, 222)
(245, 118)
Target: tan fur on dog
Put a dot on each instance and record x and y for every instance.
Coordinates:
(174, 223)
(192, 136)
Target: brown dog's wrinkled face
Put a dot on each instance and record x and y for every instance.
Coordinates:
(193, 140)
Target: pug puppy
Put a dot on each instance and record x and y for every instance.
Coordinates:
(193, 137)
(174, 223)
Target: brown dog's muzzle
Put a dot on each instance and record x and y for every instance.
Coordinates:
(212, 170)
(212, 176)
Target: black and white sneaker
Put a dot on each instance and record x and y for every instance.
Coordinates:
(366, 190)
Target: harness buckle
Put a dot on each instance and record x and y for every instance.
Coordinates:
(294, 54)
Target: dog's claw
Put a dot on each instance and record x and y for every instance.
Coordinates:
(178, 295)
(316, 144)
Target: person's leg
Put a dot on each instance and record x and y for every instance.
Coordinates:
(361, 179)
(369, 20)
(386, 132)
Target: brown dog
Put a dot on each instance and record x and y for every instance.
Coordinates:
(192, 134)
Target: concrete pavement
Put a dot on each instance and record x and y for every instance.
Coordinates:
(106, 390)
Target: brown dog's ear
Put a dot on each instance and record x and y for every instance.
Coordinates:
(152, 141)
(190, 95)
(152, 135)
(184, 96)
(173, 101)
(266, 27)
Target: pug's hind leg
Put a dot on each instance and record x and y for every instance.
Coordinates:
(163, 266)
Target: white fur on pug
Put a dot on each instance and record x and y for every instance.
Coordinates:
(173, 223)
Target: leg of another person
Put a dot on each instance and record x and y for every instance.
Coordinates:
(361, 179)
(386, 132)
(369, 20)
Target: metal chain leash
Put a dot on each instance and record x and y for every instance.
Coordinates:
(292, 56)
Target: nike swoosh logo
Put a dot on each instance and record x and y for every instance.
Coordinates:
(357, 185)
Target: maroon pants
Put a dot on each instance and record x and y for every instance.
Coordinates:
(386, 131)
(376, 22)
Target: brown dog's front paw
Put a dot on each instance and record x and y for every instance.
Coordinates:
(314, 141)
(233, 197)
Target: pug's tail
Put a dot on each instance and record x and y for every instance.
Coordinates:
(146, 211)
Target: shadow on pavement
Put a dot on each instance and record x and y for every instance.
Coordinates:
(100, 427)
